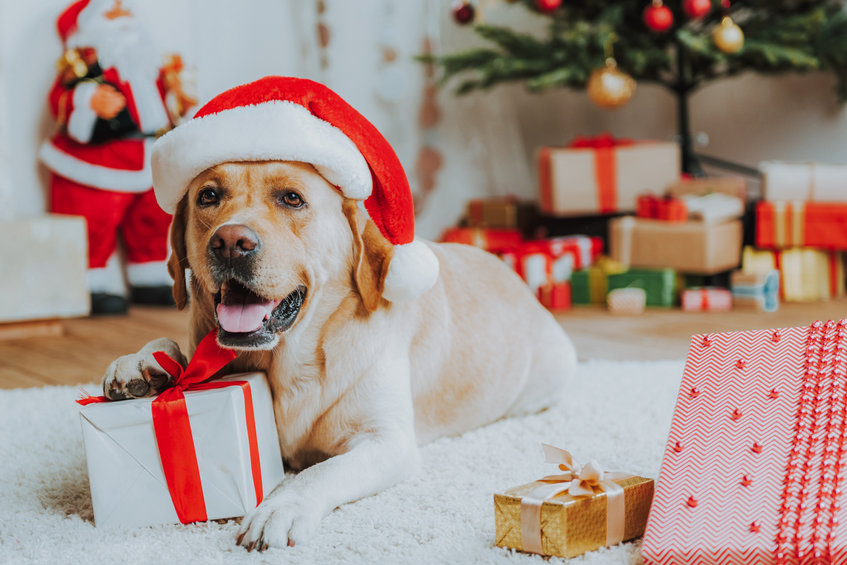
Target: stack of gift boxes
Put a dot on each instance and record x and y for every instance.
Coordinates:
(801, 230)
(668, 240)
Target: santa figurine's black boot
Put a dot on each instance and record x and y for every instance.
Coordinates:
(162, 295)
(104, 304)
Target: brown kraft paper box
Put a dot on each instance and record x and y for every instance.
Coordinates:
(689, 247)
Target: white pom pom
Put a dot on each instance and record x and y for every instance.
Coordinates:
(412, 271)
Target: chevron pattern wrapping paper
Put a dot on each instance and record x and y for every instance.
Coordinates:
(754, 469)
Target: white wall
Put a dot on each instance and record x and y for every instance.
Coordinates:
(748, 119)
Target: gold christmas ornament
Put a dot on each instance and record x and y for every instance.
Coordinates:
(609, 87)
(728, 37)
(72, 65)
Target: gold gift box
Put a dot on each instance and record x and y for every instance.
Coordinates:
(570, 526)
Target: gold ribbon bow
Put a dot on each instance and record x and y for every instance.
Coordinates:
(576, 480)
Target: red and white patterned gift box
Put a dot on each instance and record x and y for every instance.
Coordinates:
(755, 464)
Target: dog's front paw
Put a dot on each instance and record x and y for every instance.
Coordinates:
(285, 518)
(139, 375)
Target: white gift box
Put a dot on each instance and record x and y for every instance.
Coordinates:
(128, 486)
(811, 182)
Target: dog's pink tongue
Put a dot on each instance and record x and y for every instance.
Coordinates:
(242, 318)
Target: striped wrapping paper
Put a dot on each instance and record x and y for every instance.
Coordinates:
(754, 467)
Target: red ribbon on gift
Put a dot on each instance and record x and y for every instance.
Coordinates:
(605, 167)
(173, 428)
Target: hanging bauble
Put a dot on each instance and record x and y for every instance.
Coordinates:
(463, 12)
(696, 9)
(658, 17)
(609, 87)
(547, 6)
(728, 37)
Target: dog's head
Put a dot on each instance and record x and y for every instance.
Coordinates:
(263, 240)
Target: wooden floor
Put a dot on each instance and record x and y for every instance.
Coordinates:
(88, 345)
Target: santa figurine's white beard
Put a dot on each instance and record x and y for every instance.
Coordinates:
(122, 44)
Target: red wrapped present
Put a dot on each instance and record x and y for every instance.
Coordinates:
(669, 209)
(538, 267)
(672, 210)
(706, 299)
(555, 296)
(647, 206)
(603, 175)
(584, 249)
(755, 467)
(492, 240)
(790, 224)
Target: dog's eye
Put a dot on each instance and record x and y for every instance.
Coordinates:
(208, 197)
(291, 199)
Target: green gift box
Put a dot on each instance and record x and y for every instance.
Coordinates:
(588, 286)
(659, 284)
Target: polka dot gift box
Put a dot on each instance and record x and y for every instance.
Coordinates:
(755, 464)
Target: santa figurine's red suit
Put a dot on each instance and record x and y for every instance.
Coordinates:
(111, 99)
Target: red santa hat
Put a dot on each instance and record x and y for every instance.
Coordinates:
(68, 21)
(293, 119)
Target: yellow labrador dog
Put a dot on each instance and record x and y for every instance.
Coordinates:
(373, 342)
(358, 382)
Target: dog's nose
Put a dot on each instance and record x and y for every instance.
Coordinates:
(233, 241)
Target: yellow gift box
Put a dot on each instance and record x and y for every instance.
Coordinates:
(567, 515)
(806, 275)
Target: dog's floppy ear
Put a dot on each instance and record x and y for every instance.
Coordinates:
(371, 258)
(178, 261)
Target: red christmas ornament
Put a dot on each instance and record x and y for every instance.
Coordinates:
(547, 6)
(658, 17)
(697, 8)
(463, 12)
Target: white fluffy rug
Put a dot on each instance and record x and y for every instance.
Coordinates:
(617, 413)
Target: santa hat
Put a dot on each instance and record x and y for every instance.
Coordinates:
(293, 119)
(68, 21)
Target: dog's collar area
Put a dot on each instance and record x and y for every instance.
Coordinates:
(247, 320)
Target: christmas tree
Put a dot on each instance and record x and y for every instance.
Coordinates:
(607, 45)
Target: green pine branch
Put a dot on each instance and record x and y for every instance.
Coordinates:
(780, 36)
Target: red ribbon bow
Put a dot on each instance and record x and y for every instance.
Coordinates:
(173, 428)
(601, 141)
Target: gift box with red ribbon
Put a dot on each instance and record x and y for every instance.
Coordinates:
(603, 175)
(790, 224)
(754, 466)
(582, 508)
(706, 299)
(547, 265)
(201, 450)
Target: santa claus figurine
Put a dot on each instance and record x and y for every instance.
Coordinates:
(112, 98)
